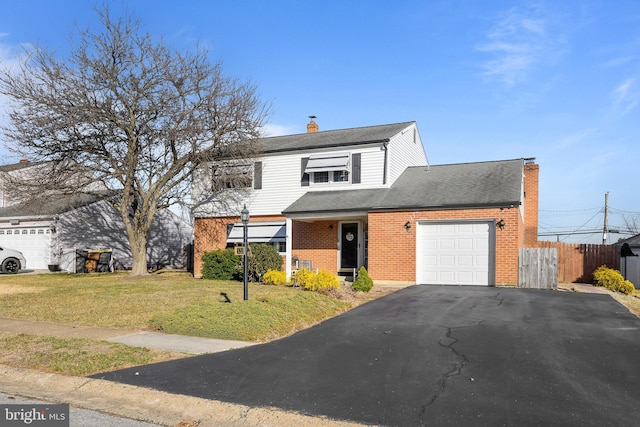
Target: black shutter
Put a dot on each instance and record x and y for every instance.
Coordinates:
(257, 175)
(356, 161)
(304, 182)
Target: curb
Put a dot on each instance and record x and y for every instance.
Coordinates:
(145, 404)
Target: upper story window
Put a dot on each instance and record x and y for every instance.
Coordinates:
(331, 168)
(227, 175)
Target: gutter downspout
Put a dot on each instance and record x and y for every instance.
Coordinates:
(288, 243)
(385, 147)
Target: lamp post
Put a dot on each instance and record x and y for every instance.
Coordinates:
(244, 216)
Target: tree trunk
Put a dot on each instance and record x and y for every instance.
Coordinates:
(139, 254)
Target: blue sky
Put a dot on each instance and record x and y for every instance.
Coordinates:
(484, 80)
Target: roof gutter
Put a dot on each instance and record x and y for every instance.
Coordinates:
(318, 213)
(332, 145)
(26, 218)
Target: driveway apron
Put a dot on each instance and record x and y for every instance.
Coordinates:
(436, 355)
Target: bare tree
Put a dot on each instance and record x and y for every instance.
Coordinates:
(127, 114)
(632, 223)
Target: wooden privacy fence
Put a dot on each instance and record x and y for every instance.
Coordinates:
(538, 268)
(577, 262)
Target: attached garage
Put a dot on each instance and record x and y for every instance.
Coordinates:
(455, 253)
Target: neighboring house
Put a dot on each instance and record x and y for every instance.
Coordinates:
(367, 196)
(630, 264)
(45, 231)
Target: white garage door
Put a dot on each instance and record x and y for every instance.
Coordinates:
(455, 253)
(33, 242)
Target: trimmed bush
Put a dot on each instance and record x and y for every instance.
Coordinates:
(613, 280)
(312, 281)
(327, 280)
(220, 264)
(363, 282)
(303, 277)
(274, 278)
(262, 258)
(627, 288)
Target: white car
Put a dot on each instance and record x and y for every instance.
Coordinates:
(12, 261)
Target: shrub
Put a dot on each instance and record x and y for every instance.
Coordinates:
(326, 280)
(274, 278)
(363, 282)
(262, 258)
(303, 277)
(627, 288)
(612, 279)
(219, 265)
(312, 281)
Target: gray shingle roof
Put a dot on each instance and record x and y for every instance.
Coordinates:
(17, 166)
(332, 138)
(48, 206)
(633, 241)
(463, 185)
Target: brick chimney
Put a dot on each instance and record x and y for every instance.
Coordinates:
(312, 127)
(531, 173)
(24, 161)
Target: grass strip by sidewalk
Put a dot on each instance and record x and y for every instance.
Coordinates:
(74, 356)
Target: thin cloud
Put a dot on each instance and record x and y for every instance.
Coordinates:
(517, 43)
(625, 96)
(576, 139)
(272, 129)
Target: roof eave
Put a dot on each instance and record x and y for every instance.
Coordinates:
(503, 205)
(332, 145)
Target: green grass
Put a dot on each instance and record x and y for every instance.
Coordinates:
(74, 356)
(174, 303)
(258, 319)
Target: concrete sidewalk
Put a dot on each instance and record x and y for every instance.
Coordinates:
(131, 337)
(139, 403)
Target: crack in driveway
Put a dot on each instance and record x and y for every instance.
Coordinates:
(456, 370)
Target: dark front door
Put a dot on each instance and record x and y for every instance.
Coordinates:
(349, 245)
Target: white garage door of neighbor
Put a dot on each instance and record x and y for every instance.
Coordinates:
(454, 253)
(33, 242)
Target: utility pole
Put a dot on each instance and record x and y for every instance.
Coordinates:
(606, 214)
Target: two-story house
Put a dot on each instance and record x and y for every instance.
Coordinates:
(343, 199)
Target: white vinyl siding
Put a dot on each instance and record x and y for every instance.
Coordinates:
(405, 150)
(281, 182)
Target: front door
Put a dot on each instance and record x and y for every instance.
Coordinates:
(349, 245)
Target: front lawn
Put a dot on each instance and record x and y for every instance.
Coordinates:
(171, 302)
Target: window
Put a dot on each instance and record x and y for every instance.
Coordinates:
(1, 231)
(40, 231)
(340, 176)
(32, 231)
(227, 175)
(327, 168)
(25, 231)
(269, 232)
(9, 232)
(320, 177)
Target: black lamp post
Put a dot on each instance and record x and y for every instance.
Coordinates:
(244, 216)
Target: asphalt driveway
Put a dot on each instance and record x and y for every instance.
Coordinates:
(436, 355)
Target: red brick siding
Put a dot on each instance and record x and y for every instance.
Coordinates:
(392, 249)
(318, 242)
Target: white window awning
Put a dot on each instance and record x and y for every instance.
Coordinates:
(327, 163)
(259, 232)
